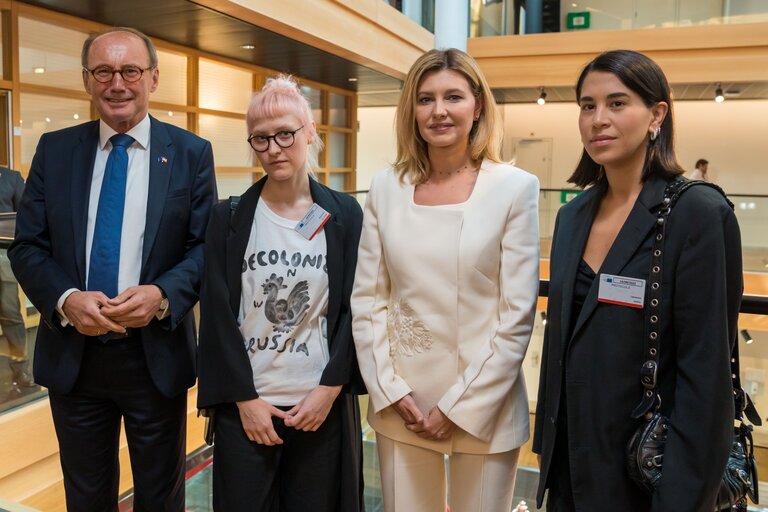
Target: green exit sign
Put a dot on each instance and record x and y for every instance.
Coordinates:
(567, 195)
(578, 20)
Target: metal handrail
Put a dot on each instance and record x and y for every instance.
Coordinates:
(752, 304)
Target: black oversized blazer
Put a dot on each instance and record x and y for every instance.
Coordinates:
(600, 357)
(224, 369)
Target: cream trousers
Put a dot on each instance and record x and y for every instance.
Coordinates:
(414, 479)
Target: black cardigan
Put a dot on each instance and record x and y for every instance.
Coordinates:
(224, 369)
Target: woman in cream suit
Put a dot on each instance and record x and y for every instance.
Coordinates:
(444, 297)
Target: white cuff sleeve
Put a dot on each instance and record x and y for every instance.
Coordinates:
(60, 305)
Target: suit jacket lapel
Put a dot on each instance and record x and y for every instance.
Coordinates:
(334, 238)
(237, 241)
(578, 224)
(83, 158)
(635, 229)
(161, 156)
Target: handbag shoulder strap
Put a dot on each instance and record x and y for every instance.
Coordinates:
(649, 369)
(234, 202)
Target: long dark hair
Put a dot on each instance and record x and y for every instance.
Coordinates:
(644, 77)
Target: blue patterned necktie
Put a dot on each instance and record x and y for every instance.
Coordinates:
(105, 248)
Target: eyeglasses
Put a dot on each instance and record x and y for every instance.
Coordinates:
(284, 139)
(105, 74)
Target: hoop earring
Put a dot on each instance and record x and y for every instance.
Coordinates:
(655, 133)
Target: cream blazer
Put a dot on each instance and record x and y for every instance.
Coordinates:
(443, 307)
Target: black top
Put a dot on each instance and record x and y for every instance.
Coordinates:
(584, 277)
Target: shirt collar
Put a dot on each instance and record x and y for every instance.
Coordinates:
(140, 133)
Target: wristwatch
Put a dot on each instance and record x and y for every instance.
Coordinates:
(163, 310)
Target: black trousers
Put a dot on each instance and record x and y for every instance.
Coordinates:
(300, 475)
(114, 383)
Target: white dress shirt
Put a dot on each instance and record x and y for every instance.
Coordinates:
(135, 212)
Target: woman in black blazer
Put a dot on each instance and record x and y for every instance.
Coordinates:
(593, 349)
(276, 357)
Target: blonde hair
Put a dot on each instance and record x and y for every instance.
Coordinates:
(281, 96)
(484, 138)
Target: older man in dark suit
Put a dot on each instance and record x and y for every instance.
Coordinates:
(109, 248)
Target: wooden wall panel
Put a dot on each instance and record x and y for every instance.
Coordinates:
(720, 53)
(368, 32)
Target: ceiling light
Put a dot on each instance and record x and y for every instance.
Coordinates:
(352, 79)
(543, 318)
(747, 338)
(542, 97)
(38, 70)
(76, 117)
(719, 98)
(248, 46)
(47, 119)
(170, 114)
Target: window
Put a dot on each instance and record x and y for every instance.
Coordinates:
(49, 55)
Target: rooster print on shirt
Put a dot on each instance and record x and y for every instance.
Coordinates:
(286, 298)
(285, 314)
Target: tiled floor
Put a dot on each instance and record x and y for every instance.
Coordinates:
(199, 491)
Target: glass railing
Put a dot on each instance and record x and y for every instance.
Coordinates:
(17, 340)
(751, 211)
(509, 17)
(752, 357)
(18, 325)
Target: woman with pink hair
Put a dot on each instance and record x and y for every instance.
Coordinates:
(276, 358)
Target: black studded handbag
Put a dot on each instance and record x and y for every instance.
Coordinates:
(645, 450)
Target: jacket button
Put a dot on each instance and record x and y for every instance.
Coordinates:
(552, 419)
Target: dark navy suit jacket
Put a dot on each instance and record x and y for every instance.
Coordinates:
(48, 253)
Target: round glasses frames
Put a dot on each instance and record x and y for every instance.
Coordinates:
(105, 74)
(284, 139)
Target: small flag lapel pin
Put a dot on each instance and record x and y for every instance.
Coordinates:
(162, 160)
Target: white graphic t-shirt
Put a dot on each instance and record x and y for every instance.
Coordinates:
(283, 304)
